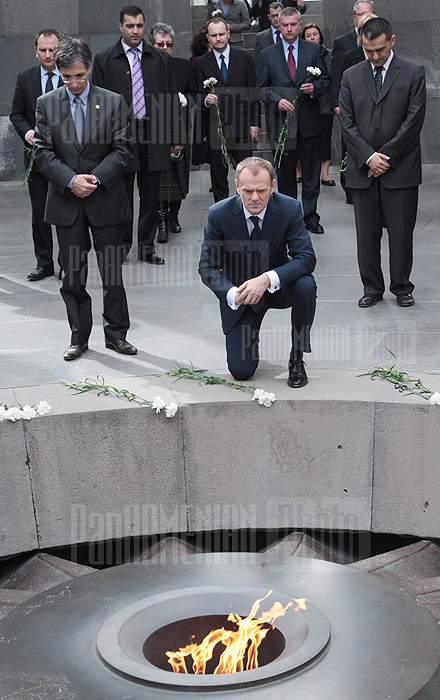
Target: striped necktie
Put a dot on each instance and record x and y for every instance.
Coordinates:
(378, 79)
(139, 107)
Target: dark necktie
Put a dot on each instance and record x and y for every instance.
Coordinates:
(256, 231)
(278, 36)
(223, 68)
(291, 64)
(79, 119)
(49, 83)
(378, 79)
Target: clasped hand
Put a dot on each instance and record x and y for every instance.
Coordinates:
(251, 291)
(83, 185)
(378, 165)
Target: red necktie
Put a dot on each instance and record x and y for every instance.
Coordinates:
(291, 64)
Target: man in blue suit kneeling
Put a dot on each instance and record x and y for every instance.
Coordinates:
(257, 255)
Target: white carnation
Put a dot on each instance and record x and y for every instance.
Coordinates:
(13, 414)
(313, 70)
(28, 412)
(158, 404)
(171, 410)
(264, 398)
(43, 408)
(182, 99)
(435, 399)
(209, 82)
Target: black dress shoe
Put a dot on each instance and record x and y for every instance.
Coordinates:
(405, 300)
(297, 374)
(151, 258)
(314, 227)
(369, 300)
(121, 346)
(40, 273)
(328, 183)
(73, 352)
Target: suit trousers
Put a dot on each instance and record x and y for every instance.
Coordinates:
(41, 232)
(148, 183)
(242, 341)
(397, 208)
(308, 151)
(74, 243)
(219, 171)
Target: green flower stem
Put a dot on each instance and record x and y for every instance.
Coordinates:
(30, 150)
(282, 138)
(401, 381)
(103, 389)
(200, 376)
(343, 166)
(227, 160)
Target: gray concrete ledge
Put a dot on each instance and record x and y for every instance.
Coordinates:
(342, 453)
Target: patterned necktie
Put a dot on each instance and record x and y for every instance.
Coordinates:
(378, 79)
(278, 35)
(79, 119)
(139, 107)
(223, 68)
(49, 83)
(291, 64)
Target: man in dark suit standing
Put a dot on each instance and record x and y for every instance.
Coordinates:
(282, 75)
(260, 9)
(144, 76)
(256, 255)
(234, 73)
(83, 145)
(30, 85)
(268, 36)
(383, 101)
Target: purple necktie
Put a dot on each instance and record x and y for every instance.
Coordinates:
(139, 108)
(291, 64)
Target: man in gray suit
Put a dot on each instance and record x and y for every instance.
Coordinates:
(382, 103)
(83, 146)
(268, 36)
(236, 14)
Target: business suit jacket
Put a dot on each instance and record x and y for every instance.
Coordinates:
(237, 97)
(341, 45)
(227, 258)
(274, 82)
(237, 17)
(24, 103)
(262, 41)
(390, 123)
(105, 152)
(111, 70)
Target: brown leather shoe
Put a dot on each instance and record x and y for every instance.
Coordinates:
(73, 352)
(121, 346)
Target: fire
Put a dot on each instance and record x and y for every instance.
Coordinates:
(246, 638)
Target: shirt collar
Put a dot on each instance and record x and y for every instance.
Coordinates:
(248, 214)
(225, 53)
(44, 72)
(286, 45)
(127, 48)
(84, 95)
(386, 65)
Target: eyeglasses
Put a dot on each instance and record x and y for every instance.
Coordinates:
(162, 44)
(79, 78)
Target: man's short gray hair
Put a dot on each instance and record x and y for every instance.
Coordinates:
(361, 2)
(288, 12)
(254, 164)
(162, 29)
(69, 50)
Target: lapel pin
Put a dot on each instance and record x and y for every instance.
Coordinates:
(97, 107)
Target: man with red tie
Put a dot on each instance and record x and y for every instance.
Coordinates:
(282, 76)
(30, 85)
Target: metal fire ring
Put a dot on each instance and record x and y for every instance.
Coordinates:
(121, 638)
(383, 644)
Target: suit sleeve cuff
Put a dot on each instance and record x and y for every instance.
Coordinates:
(370, 157)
